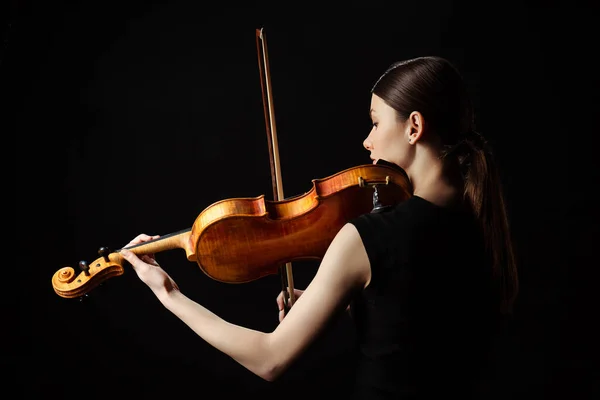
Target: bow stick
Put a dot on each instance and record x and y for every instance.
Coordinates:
(287, 280)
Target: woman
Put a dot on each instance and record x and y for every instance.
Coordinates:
(425, 280)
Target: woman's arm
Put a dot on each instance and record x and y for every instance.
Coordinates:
(344, 269)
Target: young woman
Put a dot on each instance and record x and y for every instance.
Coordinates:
(425, 281)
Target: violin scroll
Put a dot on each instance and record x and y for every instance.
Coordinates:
(67, 283)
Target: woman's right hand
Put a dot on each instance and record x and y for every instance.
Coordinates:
(280, 303)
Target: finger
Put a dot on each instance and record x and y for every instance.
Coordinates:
(137, 264)
(149, 259)
(128, 255)
(141, 238)
(281, 315)
(279, 301)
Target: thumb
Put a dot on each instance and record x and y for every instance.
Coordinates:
(133, 259)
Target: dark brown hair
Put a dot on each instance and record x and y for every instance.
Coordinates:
(435, 88)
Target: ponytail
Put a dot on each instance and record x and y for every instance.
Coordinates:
(483, 191)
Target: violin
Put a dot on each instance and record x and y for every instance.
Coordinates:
(239, 240)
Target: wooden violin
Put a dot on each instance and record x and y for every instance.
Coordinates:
(242, 239)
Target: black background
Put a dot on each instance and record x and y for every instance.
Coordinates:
(131, 117)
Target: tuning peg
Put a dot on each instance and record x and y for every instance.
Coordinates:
(104, 252)
(83, 265)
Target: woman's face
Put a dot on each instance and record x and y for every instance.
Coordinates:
(388, 139)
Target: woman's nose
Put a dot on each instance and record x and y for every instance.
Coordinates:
(367, 144)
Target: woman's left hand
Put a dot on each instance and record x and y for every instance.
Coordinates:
(148, 270)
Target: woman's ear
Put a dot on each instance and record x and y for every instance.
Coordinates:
(415, 125)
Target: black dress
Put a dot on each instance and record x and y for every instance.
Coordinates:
(424, 323)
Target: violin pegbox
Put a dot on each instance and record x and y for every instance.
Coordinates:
(68, 284)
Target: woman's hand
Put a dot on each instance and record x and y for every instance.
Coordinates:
(148, 270)
(280, 303)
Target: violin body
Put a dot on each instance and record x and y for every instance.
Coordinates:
(243, 239)
(240, 240)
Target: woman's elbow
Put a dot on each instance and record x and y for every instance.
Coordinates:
(271, 372)
(275, 360)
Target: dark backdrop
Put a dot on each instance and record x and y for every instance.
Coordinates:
(133, 117)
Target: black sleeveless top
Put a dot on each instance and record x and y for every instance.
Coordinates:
(424, 321)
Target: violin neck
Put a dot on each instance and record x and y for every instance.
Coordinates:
(175, 240)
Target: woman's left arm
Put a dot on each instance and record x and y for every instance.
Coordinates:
(344, 269)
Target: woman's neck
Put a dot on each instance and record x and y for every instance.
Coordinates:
(433, 180)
